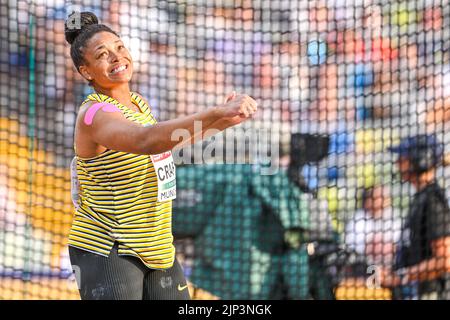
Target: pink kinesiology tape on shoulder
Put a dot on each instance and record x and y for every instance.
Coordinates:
(104, 106)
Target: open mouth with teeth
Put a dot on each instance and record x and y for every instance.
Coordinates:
(119, 69)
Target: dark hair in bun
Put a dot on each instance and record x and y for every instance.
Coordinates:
(79, 28)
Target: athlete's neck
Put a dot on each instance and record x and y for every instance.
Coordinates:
(120, 93)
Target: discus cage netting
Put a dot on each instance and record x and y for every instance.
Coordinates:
(337, 83)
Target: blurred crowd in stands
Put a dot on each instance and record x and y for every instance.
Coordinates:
(357, 74)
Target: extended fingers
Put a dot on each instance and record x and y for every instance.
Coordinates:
(246, 110)
(246, 105)
(249, 105)
(243, 110)
(253, 105)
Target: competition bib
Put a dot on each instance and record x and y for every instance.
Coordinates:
(165, 172)
(74, 183)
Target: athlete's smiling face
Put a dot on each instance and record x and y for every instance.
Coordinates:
(107, 61)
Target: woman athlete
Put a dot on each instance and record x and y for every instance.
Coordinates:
(121, 243)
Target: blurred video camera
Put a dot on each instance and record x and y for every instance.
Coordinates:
(306, 149)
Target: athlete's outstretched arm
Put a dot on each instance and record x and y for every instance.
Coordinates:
(107, 127)
(208, 130)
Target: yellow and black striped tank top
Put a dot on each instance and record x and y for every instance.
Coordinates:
(118, 201)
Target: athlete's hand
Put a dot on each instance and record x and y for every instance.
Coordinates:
(238, 108)
(230, 97)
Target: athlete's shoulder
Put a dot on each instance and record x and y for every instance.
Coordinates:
(89, 110)
(84, 107)
(86, 104)
(90, 100)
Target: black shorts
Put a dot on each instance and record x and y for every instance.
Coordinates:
(125, 278)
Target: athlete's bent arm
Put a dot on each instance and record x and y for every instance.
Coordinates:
(112, 131)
